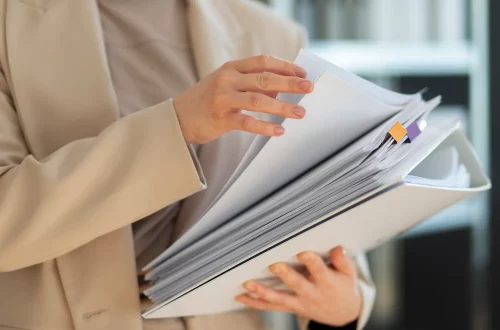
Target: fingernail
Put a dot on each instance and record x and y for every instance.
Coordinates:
(250, 286)
(306, 86)
(276, 268)
(279, 130)
(304, 256)
(343, 251)
(299, 112)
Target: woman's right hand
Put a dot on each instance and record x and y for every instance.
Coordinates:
(213, 106)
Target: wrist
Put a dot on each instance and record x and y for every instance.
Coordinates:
(354, 314)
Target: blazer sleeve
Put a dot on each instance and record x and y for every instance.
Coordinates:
(89, 187)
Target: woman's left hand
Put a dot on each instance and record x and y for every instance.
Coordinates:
(330, 295)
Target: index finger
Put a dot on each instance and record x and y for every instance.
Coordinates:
(266, 63)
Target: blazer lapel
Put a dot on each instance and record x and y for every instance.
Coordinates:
(217, 36)
(58, 67)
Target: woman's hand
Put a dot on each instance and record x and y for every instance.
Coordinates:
(213, 106)
(329, 296)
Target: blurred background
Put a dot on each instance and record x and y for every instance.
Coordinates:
(440, 275)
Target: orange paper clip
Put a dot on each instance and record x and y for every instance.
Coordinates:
(398, 132)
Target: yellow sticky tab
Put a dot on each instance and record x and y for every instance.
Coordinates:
(397, 132)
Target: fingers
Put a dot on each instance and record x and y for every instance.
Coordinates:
(317, 268)
(342, 263)
(264, 63)
(271, 94)
(275, 297)
(260, 304)
(293, 279)
(262, 103)
(266, 81)
(250, 124)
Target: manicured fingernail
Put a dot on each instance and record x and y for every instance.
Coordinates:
(304, 256)
(306, 86)
(345, 252)
(279, 130)
(276, 268)
(299, 112)
(250, 286)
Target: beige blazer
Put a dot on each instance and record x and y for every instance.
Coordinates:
(73, 176)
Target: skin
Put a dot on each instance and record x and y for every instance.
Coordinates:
(213, 107)
(328, 295)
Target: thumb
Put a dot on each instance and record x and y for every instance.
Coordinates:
(342, 263)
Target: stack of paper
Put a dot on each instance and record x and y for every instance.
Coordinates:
(333, 178)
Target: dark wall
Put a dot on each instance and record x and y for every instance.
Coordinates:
(494, 59)
(437, 282)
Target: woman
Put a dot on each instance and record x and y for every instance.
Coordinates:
(100, 103)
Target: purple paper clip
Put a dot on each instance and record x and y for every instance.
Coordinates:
(413, 131)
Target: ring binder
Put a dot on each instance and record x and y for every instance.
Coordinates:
(309, 191)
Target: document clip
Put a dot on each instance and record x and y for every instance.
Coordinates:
(397, 132)
(413, 131)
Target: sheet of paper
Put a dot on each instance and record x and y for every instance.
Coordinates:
(315, 67)
(441, 164)
(442, 168)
